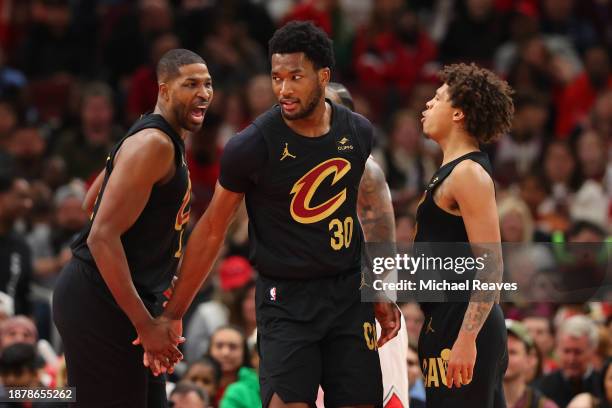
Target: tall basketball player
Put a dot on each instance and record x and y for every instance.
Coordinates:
(110, 292)
(462, 346)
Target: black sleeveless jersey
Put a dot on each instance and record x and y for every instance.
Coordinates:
(153, 244)
(433, 223)
(301, 193)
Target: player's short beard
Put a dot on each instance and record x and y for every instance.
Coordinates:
(311, 105)
(182, 114)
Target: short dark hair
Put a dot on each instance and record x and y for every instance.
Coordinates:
(303, 36)
(17, 358)
(484, 98)
(185, 387)
(208, 361)
(169, 64)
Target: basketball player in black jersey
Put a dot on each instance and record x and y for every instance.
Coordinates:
(375, 211)
(299, 168)
(462, 346)
(110, 292)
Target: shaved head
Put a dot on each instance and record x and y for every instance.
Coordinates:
(169, 65)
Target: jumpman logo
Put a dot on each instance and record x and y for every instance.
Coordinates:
(429, 328)
(286, 153)
(363, 283)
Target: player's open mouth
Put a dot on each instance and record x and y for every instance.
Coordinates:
(289, 106)
(197, 114)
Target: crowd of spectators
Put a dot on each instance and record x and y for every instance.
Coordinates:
(75, 74)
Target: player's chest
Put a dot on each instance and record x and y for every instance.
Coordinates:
(314, 167)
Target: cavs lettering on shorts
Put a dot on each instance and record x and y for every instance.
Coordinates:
(370, 335)
(434, 369)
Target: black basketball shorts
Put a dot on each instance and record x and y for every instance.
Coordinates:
(438, 334)
(102, 364)
(317, 332)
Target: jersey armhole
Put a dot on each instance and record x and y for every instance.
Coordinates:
(351, 120)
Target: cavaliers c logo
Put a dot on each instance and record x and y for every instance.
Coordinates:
(182, 217)
(305, 188)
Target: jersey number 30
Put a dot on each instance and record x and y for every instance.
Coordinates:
(342, 233)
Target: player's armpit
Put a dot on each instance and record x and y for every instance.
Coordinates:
(202, 249)
(90, 198)
(374, 206)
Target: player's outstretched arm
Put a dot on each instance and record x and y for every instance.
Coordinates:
(143, 160)
(202, 250)
(474, 192)
(375, 212)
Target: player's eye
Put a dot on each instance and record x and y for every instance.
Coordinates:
(297, 77)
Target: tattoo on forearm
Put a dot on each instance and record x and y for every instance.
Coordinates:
(475, 315)
(378, 228)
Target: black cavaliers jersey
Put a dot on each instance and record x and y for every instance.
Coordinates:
(153, 244)
(433, 223)
(301, 193)
(443, 320)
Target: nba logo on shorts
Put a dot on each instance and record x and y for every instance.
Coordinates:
(273, 293)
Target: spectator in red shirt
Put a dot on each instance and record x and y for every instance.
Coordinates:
(578, 97)
(391, 57)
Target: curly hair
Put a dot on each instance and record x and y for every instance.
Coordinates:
(303, 36)
(484, 98)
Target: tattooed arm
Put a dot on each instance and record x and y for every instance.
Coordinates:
(473, 190)
(375, 213)
(374, 206)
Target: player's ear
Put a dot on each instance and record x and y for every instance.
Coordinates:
(164, 91)
(324, 76)
(458, 115)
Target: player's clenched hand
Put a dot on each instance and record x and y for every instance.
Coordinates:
(461, 363)
(160, 338)
(389, 317)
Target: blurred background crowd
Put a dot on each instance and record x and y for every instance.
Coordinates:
(75, 74)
